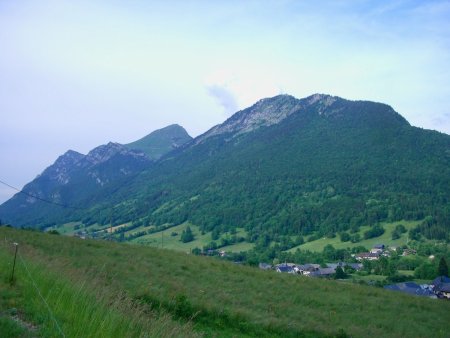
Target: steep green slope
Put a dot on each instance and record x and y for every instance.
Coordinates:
(162, 141)
(224, 299)
(325, 168)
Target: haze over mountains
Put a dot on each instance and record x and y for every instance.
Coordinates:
(283, 166)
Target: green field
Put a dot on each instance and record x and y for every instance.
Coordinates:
(168, 240)
(70, 229)
(385, 239)
(165, 238)
(238, 247)
(216, 297)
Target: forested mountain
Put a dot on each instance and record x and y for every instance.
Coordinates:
(285, 166)
(75, 178)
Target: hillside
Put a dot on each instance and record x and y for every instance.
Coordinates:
(215, 297)
(281, 169)
(329, 165)
(75, 178)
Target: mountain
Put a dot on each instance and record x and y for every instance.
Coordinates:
(75, 177)
(161, 142)
(286, 167)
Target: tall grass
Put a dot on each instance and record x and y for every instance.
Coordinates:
(68, 305)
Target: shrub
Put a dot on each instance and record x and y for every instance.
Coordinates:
(345, 237)
(376, 231)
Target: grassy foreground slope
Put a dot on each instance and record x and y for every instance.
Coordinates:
(43, 302)
(223, 299)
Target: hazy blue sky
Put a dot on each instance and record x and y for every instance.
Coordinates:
(77, 74)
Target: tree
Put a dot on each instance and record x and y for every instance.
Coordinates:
(426, 270)
(340, 274)
(329, 252)
(196, 251)
(395, 234)
(442, 267)
(187, 235)
(355, 238)
(215, 234)
(345, 237)
(375, 231)
(400, 228)
(367, 266)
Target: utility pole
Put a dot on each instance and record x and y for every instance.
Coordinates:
(162, 239)
(110, 224)
(14, 264)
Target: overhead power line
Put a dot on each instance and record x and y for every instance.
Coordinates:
(39, 198)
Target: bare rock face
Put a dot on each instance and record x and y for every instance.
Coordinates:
(105, 152)
(266, 112)
(59, 171)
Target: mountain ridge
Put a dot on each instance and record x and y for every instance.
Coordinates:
(288, 167)
(73, 172)
(273, 110)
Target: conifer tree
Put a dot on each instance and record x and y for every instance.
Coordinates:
(187, 235)
(443, 267)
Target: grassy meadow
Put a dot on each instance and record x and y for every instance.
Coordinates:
(168, 239)
(385, 238)
(161, 292)
(171, 239)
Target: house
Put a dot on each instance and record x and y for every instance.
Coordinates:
(441, 287)
(443, 291)
(211, 252)
(284, 268)
(322, 272)
(412, 289)
(378, 248)
(355, 266)
(265, 266)
(80, 234)
(343, 265)
(408, 252)
(306, 269)
(367, 255)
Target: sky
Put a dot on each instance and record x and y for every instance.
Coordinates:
(78, 74)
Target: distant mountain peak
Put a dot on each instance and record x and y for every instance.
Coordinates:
(161, 141)
(59, 171)
(265, 112)
(327, 100)
(273, 110)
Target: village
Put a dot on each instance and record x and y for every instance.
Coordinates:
(438, 288)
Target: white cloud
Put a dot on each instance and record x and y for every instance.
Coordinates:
(223, 97)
